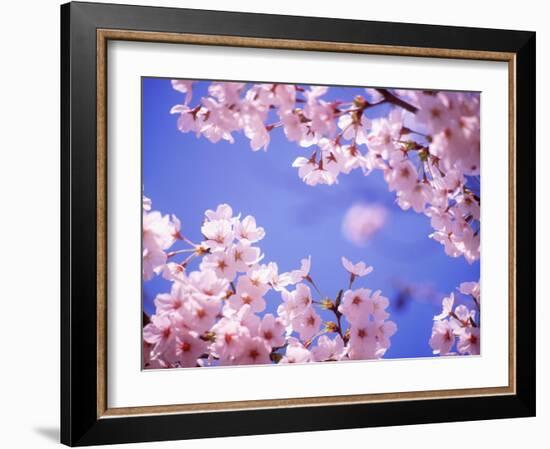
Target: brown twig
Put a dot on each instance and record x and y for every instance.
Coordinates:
(393, 99)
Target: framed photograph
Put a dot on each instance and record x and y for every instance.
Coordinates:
(274, 224)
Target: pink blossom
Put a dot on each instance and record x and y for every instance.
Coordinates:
(468, 341)
(462, 316)
(185, 87)
(218, 234)
(470, 288)
(246, 317)
(468, 244)
(296, 352)
(261, 277)
(153, 262)
(359, 269)
(255, 351)
(417, 198)
(222, 212)
(385, 134)
(305, 166)
(272, 330)
(285, 96)
(434, 111)
(442, 338)
(229, 338)
(468, 205)
(294, 303)
(319, 174)
(200, 314)
(362, 342)
(362, 221)
(247, 230)
(277, 280)
(187, 348)
(219, 122)
(159, 233)
(173, 271)
(244, 256)
(354, 128)
(448, 242)
(159, 333)
(384, 331)
(379, 305)
(206, 284)
(247, 293)
(356, 304)
(307, 323)
(170, 302)
(447, 304)
(227, 93)
(322, 116)
(303, 272)
(222, 263)
(256, 131)
(293, 127)
(328, 349)
(402, 176)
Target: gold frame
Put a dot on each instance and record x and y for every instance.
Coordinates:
(103, 36)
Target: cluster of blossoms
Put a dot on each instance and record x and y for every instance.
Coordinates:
(159, 233)
(215, 315)
(427, 147)
(458, 326)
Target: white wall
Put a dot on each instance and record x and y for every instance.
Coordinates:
(29, 180)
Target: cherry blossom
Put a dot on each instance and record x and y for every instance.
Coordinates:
(426, 145)
(222, 212)
(160, 333)
(362, 221)
(247, 231)
(218, 234)
(468, 341)
(215, 314)
(363, 342)
(307, 323)
(159, 234)
(228, 339)
(447, 304)
(328, 349)
(294, 303)
(296, 352)
(222, 263)
(255, 351)
(247, 293)
(272, 330)
(379, 305)
(356, 304)
(188, 347)
(359, 269)
(303, 272)
(470, 288)
(460, 325)
(443, 338)
(185, 87)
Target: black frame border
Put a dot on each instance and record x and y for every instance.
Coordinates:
(80, 424)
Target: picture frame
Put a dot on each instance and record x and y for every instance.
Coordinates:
(86, 30)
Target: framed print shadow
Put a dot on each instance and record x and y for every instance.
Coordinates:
(274, 224)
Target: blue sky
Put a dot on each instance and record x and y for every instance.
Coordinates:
(185, 175)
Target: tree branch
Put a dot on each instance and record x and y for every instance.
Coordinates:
(393, 99)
